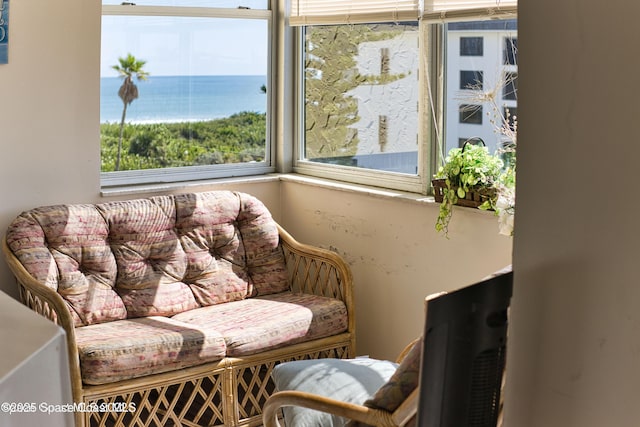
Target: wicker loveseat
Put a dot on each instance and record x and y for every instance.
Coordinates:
(177, 307)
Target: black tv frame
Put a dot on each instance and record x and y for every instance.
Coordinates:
(464, 355)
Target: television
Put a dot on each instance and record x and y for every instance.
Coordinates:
(464, 355)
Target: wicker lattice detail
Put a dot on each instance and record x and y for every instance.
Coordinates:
(254, 387)
(314, 276)
(197, 402)
(37, 304)
(254, 384)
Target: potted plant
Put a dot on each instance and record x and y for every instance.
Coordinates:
(470, 176)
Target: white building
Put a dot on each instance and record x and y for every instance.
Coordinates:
(481, 81)
(482, 55)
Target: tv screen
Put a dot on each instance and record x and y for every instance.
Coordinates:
(464, 355)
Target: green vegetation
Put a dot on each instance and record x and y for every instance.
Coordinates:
(128, 68)
(467, 169)
(239, 138)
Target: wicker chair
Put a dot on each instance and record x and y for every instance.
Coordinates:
(476, 316)
(368, 415)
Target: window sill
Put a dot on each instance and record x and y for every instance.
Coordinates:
(361, 189)
(185, 186)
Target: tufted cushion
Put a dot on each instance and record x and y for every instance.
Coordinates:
(124, 349)
(149, 257)
(151, 263)
(271, 321)
(66, 248)
(346, 380)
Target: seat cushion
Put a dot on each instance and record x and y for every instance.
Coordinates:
(352, 381)
(271, 321)
(131, 348)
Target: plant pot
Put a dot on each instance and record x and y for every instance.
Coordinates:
(472, 199)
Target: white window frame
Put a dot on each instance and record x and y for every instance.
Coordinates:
(418, 183)
(431, 108)
(192, 173)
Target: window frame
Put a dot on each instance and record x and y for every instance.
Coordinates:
(229, 170)
(418, 183)
(431, 109)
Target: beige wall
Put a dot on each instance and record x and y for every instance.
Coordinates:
(574, 356)
(395, 254)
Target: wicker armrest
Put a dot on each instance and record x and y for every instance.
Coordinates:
(406, 350)
(370, 416)
(41, 299)
(38, 297)
(315, 270)
(312, 401)
(48, 303)
(318, 271)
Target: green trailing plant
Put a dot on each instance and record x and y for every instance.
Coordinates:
(467, 169)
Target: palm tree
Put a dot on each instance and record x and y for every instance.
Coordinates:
(128, 68)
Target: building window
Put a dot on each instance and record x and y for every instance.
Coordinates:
(510, 89)
(383, 136)
(510, 52)
(511, 117)
(384, 61)
(471, 79)
(483, 106)
(471, 46)
(470, 114)
(201, 109)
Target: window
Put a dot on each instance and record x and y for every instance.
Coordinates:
(479, 111)
(510, 89)
(358, 111)
(471, 79)
(471, 46)
(510, 51)
(511, 116)
(199, 104)
(470, 114)
(383, 96)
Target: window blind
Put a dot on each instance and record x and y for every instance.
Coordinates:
(323, 12)
(452, 10)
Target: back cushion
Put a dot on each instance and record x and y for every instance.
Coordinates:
(156, 256)
(66, 248)
(151, 263)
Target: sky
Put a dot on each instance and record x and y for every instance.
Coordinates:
(186, 46)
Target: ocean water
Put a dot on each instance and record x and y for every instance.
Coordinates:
(183, 98)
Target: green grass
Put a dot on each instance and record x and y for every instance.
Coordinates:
(235, 139)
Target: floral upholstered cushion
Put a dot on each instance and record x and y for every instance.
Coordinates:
(401, 384)
(66, 248)
(262, 323)
(152, 257)
(132, 348)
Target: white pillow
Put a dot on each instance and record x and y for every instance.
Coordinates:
(347, 380)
